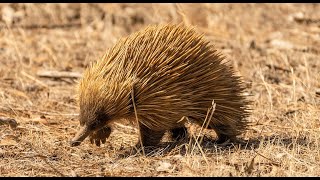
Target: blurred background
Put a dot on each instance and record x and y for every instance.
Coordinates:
(274, 47)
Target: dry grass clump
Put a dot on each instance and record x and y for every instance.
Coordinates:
(275, 47)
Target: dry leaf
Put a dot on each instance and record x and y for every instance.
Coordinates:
(8, 140)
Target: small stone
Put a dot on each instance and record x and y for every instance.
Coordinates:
(164, 167)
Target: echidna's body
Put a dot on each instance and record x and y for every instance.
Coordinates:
(174, 72)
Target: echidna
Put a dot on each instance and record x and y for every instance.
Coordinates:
(174, 72)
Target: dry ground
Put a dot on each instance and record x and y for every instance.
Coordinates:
(275, 47)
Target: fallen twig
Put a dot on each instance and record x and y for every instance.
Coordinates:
(277, 68)
(58, 74)
(42, 26)
(306, 20)
(34, 79)
(272, 161)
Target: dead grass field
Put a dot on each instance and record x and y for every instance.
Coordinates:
(275, 47)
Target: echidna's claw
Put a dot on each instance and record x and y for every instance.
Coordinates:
(100, 135)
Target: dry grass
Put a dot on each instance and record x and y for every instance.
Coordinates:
(275, 47)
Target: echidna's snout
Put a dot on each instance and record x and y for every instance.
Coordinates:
(80, 136)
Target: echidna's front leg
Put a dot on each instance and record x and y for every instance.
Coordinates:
(179, 133)
(149, 137)
(100, 135)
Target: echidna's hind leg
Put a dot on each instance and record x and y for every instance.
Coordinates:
(179, 133)
(223, 138)
(149, 137)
